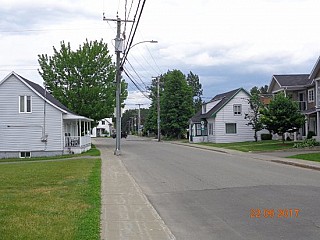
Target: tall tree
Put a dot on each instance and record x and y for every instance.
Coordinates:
(82, 80)
(282, 115)
(194, 82)
(151, 124)
(176, 104)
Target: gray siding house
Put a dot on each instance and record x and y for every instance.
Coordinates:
(33, 123)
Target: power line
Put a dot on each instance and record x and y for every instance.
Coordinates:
(127, 74)
(138, 76)
(135, 30)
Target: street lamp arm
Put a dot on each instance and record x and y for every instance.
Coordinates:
(149, 41)
(126, 52)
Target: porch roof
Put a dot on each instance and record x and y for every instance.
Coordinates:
(76, 117)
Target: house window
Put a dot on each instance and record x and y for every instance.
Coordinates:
(237, 109)
(103, 122)
(231, 128)
(198, 130)
(311, 95)
(25, 104)
(25, 154)
(210, 128)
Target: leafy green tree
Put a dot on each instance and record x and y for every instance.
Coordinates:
(151, 124)
(194, 82)
(82, 80)
(176, 104)
(282, 115)
(253, 116)
(129, 116)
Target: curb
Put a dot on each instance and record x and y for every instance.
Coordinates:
(305, 164)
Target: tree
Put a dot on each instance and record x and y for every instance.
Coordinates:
(130, 118)
(253, 116)
(151, 124)
(194, 82)
(82, 80)
(282, 115)
(176, 104)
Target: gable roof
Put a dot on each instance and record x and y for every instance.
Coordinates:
(45, 95)
(315, 70)
(289, 81)
(293, 80)
(224, 98)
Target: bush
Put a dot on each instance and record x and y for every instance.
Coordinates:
(306, 143)
(266, 136)
(310, 134)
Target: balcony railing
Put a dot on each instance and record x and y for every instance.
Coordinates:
(76, 141)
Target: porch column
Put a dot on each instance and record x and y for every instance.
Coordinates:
(318, 125)
(306, 126)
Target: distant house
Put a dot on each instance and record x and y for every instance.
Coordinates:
(221, 120)
(103, 129)
(33, 123)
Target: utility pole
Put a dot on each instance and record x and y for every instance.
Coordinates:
(158, 108)
(139, 119)
(118, 50)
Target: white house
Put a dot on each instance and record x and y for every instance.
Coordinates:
(33, 123)
(222, 119)
(104, 128)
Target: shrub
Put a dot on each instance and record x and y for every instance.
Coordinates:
(306, 143)
(266, 136)
(310, 134)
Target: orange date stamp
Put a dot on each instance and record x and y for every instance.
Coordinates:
(274, 213)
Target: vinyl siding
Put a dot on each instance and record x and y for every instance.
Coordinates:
(226, 115)
(25, 131)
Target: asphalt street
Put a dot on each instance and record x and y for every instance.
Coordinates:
(203, 194)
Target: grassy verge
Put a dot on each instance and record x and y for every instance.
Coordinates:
(50, 200)
(308, 156)
(260, 146)
(93, 152)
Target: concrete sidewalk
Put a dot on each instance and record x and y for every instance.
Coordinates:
(126, 212)
(275, 156)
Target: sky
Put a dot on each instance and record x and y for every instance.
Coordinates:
(227, 43)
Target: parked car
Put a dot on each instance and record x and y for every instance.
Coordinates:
(123, 135)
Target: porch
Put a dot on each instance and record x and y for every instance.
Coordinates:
(77, 137)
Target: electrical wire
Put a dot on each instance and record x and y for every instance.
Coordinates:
(135, 30)
(145, 85)
(134, 83)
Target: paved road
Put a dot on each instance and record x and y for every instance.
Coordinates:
(202, 194)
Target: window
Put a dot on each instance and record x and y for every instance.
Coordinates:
(231, 128)
(311, 95)
(210, 128)
(25, 104)
(237, 109)
(198, 130)
(103, 122)
(25, 154)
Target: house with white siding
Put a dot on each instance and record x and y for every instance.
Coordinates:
(222, 119)
(103, 129)
(33, 123)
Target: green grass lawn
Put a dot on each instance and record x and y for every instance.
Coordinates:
(260, 146)
(93, 152)
(50, 200)
(308, 156)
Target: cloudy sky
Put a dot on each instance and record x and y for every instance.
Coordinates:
(228, 43)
